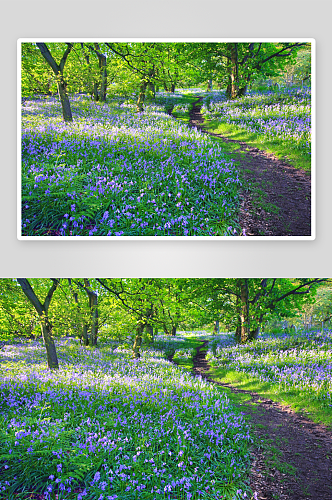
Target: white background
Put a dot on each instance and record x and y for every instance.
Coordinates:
(177, 19)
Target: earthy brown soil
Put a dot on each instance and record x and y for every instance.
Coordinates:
(301, 443)
(286, 207)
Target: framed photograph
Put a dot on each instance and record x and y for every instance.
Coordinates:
(166, 139)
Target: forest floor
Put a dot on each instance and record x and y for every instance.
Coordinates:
(275, 197)
(291, 455)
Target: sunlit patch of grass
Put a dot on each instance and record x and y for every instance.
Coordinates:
(293, 369)
(277, 122)
(277, 148)
(293, 398)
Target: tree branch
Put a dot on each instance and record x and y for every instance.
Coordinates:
(295, 291)
(64, 57)
(48, 57)
(257, 66)
(49, 296)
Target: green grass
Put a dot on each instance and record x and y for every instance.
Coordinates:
(188, 102)
(298, 402)
(276, 147)
(185, 363)
(180, 356)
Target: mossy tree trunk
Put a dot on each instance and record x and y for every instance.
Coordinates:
(234, 72)
(84, 335)
(95, 93)
(149, 331)
(94, 319)
(153, 89)
(138, 342)
(254, 333)
(141, 96)
(244, 314)
(238, 314)
(103, 73)
(93, 305)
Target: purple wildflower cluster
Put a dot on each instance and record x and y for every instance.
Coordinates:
(283, 114)
(103, 427)
(114, 172)
(299, 362)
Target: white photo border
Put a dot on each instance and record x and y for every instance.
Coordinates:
(312, 41)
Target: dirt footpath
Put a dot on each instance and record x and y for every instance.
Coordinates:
(286, 191)
(300, 449)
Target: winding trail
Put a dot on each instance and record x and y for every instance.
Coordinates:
(295, 441)
(283, 207)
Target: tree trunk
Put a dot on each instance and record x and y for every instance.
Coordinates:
(245, 321)
(141, 96)
(238, 331)
(42, 310)
(173, 88)
(174, 331)
(66, 111)
(216, 326)
(149, 331)
(254, 333)
(93, 303)
(153, 89)
(87, 85)
(234, 71)
(209, 86)
(138, 342)
(243, 91)
(52, 358)
(85, 337)
(103, 73)
(103, 86)
(58, 71)
(95, 96)
(238, 316)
